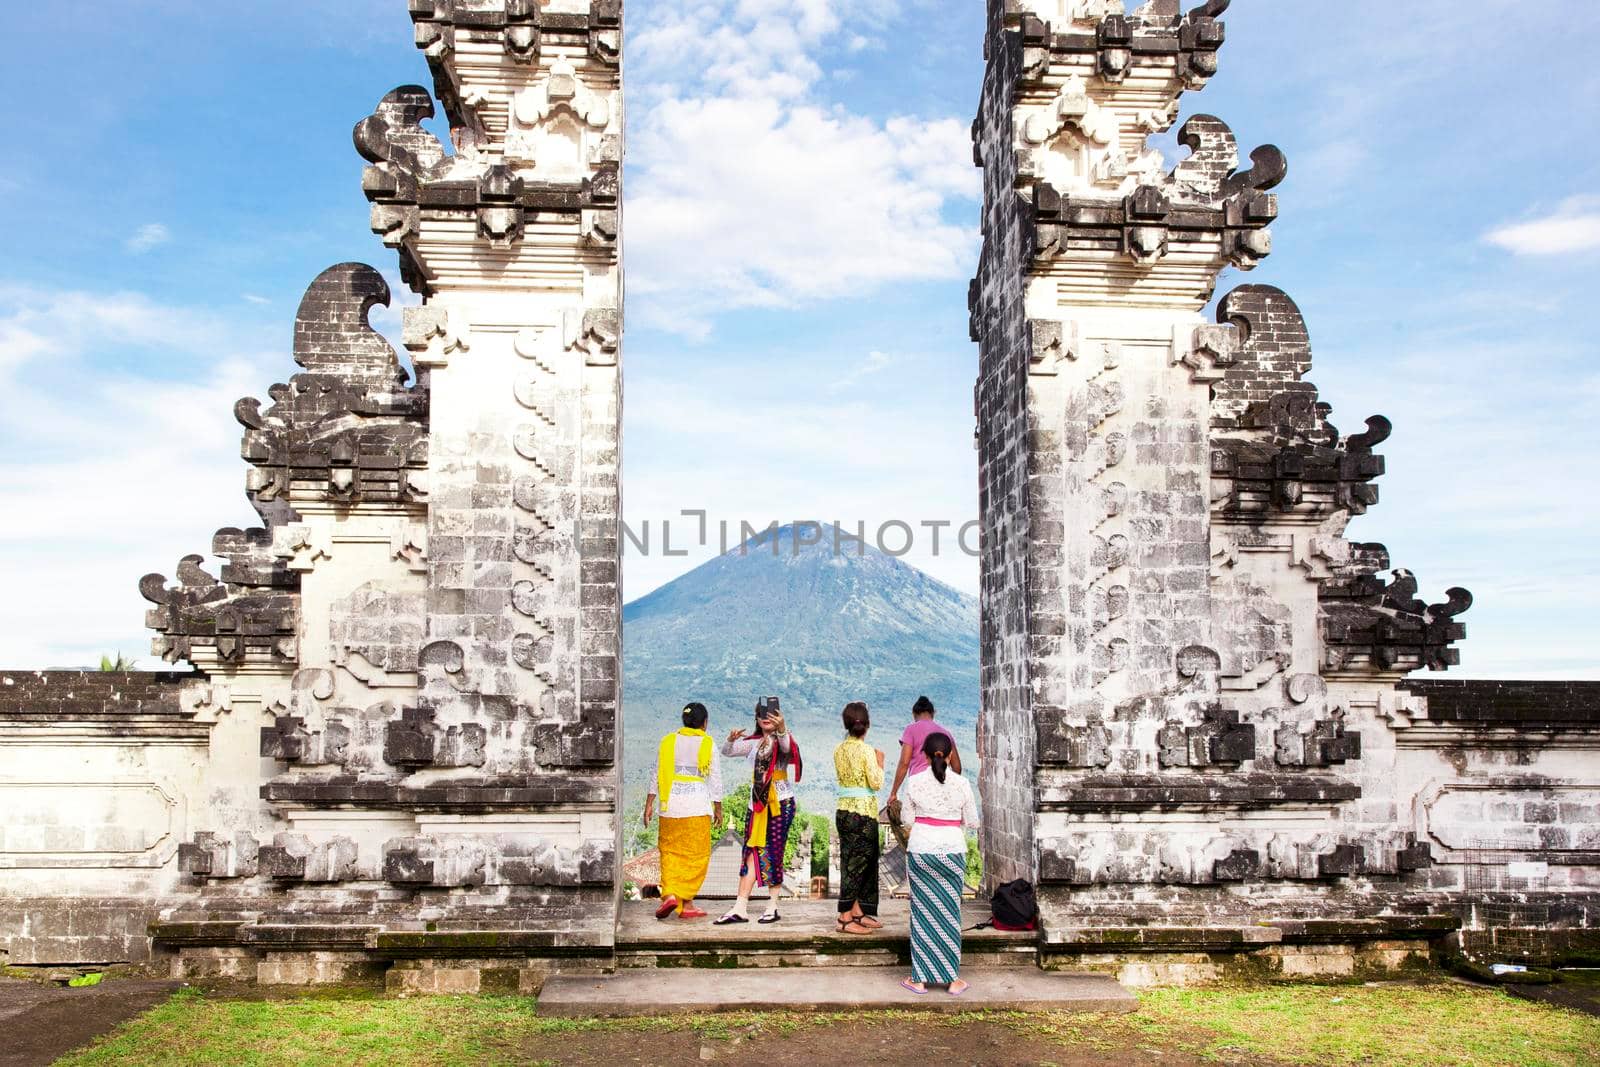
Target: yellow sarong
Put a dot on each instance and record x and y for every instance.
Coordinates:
(685, 856)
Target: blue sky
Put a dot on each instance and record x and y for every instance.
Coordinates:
(801, 224)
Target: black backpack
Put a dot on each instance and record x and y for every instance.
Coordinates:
(1015, 907)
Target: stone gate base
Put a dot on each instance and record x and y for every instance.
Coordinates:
(402, 961)
(513, 961)
(1285, 950)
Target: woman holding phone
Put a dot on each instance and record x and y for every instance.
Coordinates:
(775, 770)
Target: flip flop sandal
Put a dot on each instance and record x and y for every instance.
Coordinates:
(859, 931)
(729, 919)
(768, 919)
(963, 989)
(669, 904)
(910, 987)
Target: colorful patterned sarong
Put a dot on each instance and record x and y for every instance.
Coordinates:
(685, 856)
(773, 843)
(936, 884)
(858, 862)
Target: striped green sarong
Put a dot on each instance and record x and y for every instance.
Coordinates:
(936, 884)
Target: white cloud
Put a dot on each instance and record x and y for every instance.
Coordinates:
(750, 191)
(112, 474)
(1509, 517)
(875, 362)
(18, 344)
(1573, 227)
(147, 237)
(66, 324)
(252, 298)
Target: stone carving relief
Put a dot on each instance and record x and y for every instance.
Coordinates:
(1076, 145)
(296, 858)
(348, 429)
(197, 615)
(432, 336)
(221, 856)
(443, 862)
(558, 125)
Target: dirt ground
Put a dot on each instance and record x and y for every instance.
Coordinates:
(40, 1022)
(890, 1043)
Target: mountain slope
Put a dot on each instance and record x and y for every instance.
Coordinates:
(817, 628)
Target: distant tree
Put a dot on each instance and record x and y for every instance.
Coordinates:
(735, 809)
(821, 844)
(637, 838)
(974, 861)
(115, 666)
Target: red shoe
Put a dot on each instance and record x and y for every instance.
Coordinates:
(669, 905)
(691, 912)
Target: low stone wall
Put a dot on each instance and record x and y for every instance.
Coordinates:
(96, 775)
(1533, 705)
(56, 696)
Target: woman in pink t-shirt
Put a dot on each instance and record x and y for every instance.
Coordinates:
(912, 760)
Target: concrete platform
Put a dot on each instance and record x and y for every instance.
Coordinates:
(648, 993)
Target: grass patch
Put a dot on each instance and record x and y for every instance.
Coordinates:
(1437, 1025)
(1431, 1025)
(193, 1028)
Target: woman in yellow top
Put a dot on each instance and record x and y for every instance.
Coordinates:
(860, 770)
(689, 785)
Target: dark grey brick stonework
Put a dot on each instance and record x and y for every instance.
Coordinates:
(80, 695)
(1000, 326)
(1534, 705)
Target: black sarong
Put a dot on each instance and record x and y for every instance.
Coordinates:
(858, 862)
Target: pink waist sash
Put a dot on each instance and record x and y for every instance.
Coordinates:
(921, 821)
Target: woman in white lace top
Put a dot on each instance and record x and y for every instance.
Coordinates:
(938, 808)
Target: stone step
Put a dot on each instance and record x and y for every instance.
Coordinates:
(807, 936)
(648, 993)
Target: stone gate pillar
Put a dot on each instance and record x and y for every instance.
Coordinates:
(415, 665)
(1178, 644)
(513, 240)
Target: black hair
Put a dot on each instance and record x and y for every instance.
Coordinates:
(857, 720)
(695, 716)
(923, 706)
(938, 748)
